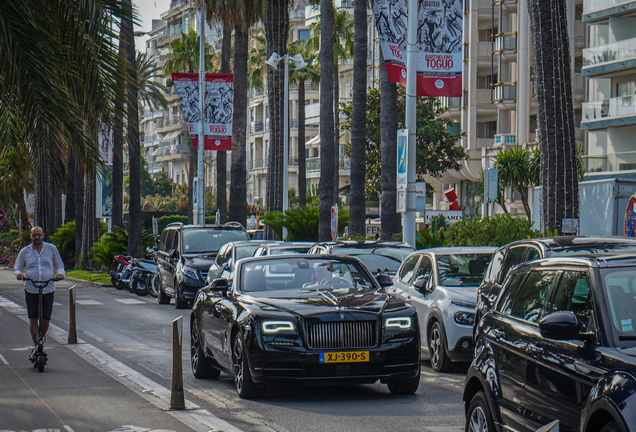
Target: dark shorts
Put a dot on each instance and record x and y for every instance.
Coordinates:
(32, 305)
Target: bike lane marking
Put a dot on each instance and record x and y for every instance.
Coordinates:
(193, 417)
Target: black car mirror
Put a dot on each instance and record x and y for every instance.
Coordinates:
(219, 284)
(172, 253)
(562, 325)
(384, 280)
(421, 284)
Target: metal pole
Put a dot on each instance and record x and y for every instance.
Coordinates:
(286, 143)
(72, 323)
(408, 217)
(177, 397)
(201, 164)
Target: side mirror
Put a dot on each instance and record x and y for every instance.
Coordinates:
(219, 285)
(150, 249)
(384, 280)
(562, 325)
(421, 284)
(172, 253)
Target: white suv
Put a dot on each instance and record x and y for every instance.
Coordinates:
(441, 283)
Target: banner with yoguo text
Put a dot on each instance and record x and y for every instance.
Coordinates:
(217, 108)
(439, 44)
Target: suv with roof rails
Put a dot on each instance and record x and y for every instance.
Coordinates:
(184, 255)
(507, 257)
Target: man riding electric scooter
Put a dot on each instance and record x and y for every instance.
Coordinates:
(39, 261)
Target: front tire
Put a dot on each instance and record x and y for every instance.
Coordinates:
(245, 386)
(478, 416)
(611, 427)
(152, 285)
(136, 287)
(40, 361)
(201, 365)
(162, 297)
(178, 302)
(440, 361)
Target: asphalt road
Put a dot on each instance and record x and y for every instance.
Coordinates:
(118, 378)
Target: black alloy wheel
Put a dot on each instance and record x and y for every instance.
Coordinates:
(478, 416)
(137, 288)
(162, 297)
(440, 361)
(152, 285)
(611, 427)
(245, 386)
(201, 365)
(178, 302)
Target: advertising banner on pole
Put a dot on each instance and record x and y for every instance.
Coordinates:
(402, 159)
(439, 47)
(218, 108)
(104, 183)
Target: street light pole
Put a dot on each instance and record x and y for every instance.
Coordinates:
(286, 142)
(201, 163)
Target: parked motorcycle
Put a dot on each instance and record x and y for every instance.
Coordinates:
(141, 272)
(120, 263)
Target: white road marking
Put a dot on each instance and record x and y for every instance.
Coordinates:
(4, 360)
(68, 428)
(6, 303)
(129, 301)
(57, 304)
(428, 373)
(88, 302)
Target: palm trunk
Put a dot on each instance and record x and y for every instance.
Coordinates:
(559, 175)
(79, 210)
(238, 190)
(276, 33)
(302, 169)
(118, 147)
(524, 201)
(357, 210)
(90, 227)
(43, 210)
(135, 244)
(221, 157)
(57, 202)
(390, 220)
(18, 197)
(326, 120)
(336, 134)
(69, 210)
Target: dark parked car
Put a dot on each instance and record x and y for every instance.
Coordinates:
(283, 248)
(559, 344)
(223, 265)
(380, 256)
(184, 256)
(506, 257)
(304, 318)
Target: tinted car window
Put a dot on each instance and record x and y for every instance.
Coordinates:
(209, 239)
(495, 266)
(408, 268)
(424, 269)
(573, 294)
(462, 269)
(533, 254)
(532, 295)
(245, 251)
(513, 258)
(162, 240)
(620, 288)
(380, 262)
(505, 302)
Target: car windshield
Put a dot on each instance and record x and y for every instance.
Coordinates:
(380, 263)
(293, 276)
(206, 240)
(397, 252)
(462, 270)
(289, 250)
(620, 288)
(245, 251)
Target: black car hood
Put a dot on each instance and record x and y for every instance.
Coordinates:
(328, 302)
(200, 262)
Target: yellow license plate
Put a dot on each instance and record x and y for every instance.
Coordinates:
(344, 357)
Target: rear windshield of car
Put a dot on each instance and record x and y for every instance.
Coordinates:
(291, 250)
(592, 249)
(245, 251)
(620, 289)
(462, 270)
(380, 263)
(290, 277)
(399, 253)
(209, 239)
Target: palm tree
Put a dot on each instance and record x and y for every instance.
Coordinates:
(309, 74)
(151, 91)
(326, 119)
(184, 57)
(357, 207)
(559, 174)
(257, 71)
(277, 35)
(15, 177)
(57, 77)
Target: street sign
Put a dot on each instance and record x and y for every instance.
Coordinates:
(334, 223)
(1, 215)
(420, 196)
(402, 158)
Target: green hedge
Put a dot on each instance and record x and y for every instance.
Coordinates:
(491, 231)
(302, 224)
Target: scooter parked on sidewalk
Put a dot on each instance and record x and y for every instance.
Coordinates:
(120, 263)
(39, 358)
(141, 272)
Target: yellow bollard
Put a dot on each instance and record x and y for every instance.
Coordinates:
(177, 398)
(72, 323)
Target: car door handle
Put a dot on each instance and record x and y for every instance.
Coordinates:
(498, 333)
(534, 350)
(587, 369)
(408, 298)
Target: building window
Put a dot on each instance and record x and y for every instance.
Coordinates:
(303, 34)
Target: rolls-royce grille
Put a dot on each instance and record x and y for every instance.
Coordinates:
(341, 334)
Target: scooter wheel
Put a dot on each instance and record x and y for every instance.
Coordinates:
(137, 288)
(40, 361)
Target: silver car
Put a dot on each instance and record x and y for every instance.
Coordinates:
(441, 283)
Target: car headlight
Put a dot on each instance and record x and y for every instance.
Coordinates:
(273, 327)
(464, 318)
(464, 304)
(403, 323)
(190, 272)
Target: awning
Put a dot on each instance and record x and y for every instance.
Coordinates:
(171, 135)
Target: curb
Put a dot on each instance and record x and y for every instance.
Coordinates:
(81, 281)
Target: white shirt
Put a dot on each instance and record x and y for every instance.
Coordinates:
(39, 266)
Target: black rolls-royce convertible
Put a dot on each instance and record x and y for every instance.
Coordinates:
(305, 318)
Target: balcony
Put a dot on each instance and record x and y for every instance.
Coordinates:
(505, 140)
(313, 164)
(610, 162)
(505, 92)
(256, 127)
(599, 9)
(617, 111)
(506, 42)
(450, 102)
(606, 59)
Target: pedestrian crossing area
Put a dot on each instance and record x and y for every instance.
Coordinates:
(8, 304)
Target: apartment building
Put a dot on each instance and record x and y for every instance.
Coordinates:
(609, 64)
(499, 105)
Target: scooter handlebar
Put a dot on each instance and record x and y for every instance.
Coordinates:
(40, 284)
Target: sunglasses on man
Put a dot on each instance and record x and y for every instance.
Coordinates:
(36, 235)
